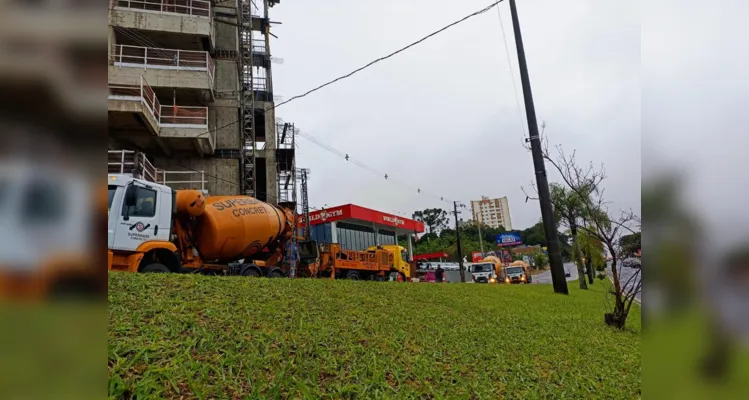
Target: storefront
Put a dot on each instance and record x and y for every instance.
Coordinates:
(357, 228)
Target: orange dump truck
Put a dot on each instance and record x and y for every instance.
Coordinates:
(154, 228)
(375, 263)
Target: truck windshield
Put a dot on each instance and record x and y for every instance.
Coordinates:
(515, 270)
(112, 191)
(482, 267)
(404, 255)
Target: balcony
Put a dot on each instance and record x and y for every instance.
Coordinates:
(126, 161)
(137, 118)
(198, 8)
(182, 69)
(189, 17)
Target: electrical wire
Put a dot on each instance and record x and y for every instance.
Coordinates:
(512, 75)
(364, 166)
(483, 10)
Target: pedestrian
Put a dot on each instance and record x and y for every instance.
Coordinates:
(292, 258)
(440, 273)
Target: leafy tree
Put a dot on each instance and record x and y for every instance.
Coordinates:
(632, 241)
(435, 219)
(536, 236)
(586, 184)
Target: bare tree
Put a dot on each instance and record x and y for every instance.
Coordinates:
(599, 223)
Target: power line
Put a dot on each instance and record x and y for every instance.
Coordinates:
(512, 75)
(483, 10)
(363, 165)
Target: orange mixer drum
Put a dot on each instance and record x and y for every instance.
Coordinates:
(235, 227)
(190, 202)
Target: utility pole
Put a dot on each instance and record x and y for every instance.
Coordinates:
(457, 237)
(481, 241)
(544, 196)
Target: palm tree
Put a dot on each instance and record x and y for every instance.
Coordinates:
(593, 253)
(569, 211)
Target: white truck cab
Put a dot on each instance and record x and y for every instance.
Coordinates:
(139, 211)
(483, 272)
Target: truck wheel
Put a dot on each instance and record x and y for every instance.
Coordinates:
(275, 274)
(252, 272)
(353, 275)
(155, 267)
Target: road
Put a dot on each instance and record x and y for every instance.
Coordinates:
(545, 277)
(625, 274)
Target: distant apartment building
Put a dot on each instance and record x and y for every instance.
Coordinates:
(492, 212)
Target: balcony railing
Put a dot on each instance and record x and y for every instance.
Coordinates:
(172, 116)
(125, 161)
(156, 58)
(142, 93)
(197, 8)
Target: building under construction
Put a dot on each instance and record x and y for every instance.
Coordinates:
(191, 97)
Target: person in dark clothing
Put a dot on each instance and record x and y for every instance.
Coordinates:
(439, 274)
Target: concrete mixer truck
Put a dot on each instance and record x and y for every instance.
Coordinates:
(154, 228)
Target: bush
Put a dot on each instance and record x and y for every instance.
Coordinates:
(601, 275)
(541, 260)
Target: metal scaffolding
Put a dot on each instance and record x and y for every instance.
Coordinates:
(304, 173)
(286, 173)
(247, 109)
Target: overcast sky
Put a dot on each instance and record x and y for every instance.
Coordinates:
(443, 116)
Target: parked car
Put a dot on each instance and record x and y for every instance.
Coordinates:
(632, 262)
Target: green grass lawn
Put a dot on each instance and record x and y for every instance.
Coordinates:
(231, 337)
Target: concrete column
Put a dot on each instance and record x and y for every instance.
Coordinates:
(111, 42)
(333, 232)
(271, 172)
(410, 248)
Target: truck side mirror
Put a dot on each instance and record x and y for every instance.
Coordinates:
(130, 197)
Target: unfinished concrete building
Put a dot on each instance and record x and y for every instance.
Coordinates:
(191, 97)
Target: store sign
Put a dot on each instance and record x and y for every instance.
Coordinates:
(393, 220)
(321, 216)
(324, 215)
(509, 239)
(476, 256)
